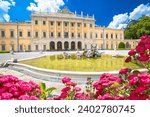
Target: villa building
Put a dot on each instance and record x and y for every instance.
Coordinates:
(63, 30)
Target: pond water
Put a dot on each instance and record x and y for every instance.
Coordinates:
(104, 63)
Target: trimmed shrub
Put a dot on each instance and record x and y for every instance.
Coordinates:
(121, 45)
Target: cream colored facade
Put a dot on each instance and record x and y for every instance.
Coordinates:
(63, 30)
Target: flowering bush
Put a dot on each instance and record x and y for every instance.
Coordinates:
(127, 85)
(12, 88)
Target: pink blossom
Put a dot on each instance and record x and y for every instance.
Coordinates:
(140, 89)
(24, 97)
(66, 79)
(77, 89)
(6, 96)
(34, 98)
(132, 52)
(140, 49)
(128, 59)
(79, 96)
(66, 89)
(133, 79)
(123, 71)
(71, 83)
(143, 57)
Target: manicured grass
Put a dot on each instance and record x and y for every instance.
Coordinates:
(104, 63)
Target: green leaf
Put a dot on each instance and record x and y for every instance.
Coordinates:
(42, 86)
(49, 90)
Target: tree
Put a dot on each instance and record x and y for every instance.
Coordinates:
(121, 45)
(136, 28)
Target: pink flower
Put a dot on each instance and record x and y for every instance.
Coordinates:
(132, 52)
(123, 71)
(144, 78)
(6, 96)
(24, 97)
(34, 98)
(140, 49)
(66, 89)
(77, 89)
(63, 95)
(65, 80)
(147, 46)
(143, 97)
(145, 38)
(71, 84)
(140, 89)
(106, 96)
(79, 96)
(143, 57)
(133, 79)
(128, 59)
(24, 86)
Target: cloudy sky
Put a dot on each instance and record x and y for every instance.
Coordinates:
(109, 13)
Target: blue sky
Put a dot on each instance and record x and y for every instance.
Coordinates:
(111, 13)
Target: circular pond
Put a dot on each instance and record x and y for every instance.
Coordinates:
(103, 63)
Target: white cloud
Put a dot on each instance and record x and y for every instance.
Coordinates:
(4, 9)
(140, 11)
(121, 20)
(45, 5)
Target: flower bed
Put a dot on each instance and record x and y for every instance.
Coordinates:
(127, 85)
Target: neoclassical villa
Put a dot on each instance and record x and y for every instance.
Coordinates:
(63, 30)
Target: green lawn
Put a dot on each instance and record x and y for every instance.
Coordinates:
(105, 63)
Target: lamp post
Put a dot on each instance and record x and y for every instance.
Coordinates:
(17, 39)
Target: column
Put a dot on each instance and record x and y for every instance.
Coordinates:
(69, 30)
(55, 29)
(47, 23)
(62, 30)
(83, 36)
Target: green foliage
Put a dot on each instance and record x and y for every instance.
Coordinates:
(121, 45)
(136, 29)
(45, 91)
(4, 51)
(52, 58)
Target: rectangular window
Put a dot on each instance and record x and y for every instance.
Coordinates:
(84, 35)
(21, 48)
(44, 22)
(72, 24)
(3, 47)
(2, 33)
(52, 23)
(52, 34)
(20, 33)
(58, 23)
(116, 36)
(44, 47)
(72, 35)
(78, 35)
(106, 36)
(29, 47)
(36, 47)
(59, 35)
(78, 24)
(65, 24)
(44, 34)
(91, 25)
(96, 36)
(36, 34)
(12, 34)
(36, 22)
(101, 35)
(111, 36)
(29, 34)
(66, 34)
(84, 24)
